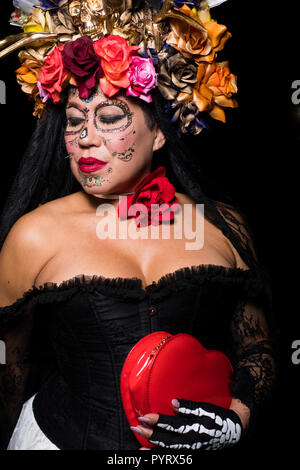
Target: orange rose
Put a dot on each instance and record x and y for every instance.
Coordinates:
(28, 73)
(218, 35)
(214, 89)
(115, 57)
(196, 43)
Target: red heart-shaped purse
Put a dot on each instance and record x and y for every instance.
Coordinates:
(162, 366)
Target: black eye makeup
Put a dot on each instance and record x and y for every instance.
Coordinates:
(112, 116)
(109, 116)
(75, 123)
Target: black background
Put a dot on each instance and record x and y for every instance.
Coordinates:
(253, 156)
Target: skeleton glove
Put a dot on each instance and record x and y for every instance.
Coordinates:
(198, 425)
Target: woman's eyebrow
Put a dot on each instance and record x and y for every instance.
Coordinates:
(121, 105)
(75, 105)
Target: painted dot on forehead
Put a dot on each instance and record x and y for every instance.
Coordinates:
(96, 92)
(73, 90)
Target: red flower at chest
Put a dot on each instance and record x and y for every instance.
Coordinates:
(153, 201)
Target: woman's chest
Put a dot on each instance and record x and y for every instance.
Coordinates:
(147, 254)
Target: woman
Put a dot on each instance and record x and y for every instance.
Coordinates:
(80, 300)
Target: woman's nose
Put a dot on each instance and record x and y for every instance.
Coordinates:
(90, 137)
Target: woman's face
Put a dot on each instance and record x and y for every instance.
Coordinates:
(109, 142)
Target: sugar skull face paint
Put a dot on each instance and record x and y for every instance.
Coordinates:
(126, 155)
(91, 181)
(108, 119)
(109, 134)
(83, 134)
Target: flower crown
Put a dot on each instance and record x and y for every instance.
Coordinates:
(114, 45)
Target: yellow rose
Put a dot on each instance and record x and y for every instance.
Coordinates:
(36, 22)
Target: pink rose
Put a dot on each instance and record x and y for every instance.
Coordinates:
(142, 77)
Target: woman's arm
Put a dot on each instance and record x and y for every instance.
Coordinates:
(23, 255)
(21, 259)
(242, 411)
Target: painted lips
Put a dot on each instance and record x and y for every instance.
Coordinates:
(89, 165)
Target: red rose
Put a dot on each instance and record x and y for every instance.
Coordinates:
(155, 188)
(80, 59)
(53, 75)
(115, 57)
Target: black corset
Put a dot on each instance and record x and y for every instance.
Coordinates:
(84, 328)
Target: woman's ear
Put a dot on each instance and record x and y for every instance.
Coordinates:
(159, 140)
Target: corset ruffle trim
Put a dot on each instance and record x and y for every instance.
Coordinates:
(249, 283)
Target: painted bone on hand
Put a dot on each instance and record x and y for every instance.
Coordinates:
(198, 425)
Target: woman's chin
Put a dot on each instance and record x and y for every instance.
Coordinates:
(99, 191)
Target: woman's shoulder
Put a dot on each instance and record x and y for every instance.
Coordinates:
(56, 207)
(28, 246)
(238, 225)
(184, 198)
(34, 226)
(233, 236)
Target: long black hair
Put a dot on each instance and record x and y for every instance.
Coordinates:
(44, 174)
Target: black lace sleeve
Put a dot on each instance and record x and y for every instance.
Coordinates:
(29, 358)
(14, 372)
(252, 329)
(254, 364)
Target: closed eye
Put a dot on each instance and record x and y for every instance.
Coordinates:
(110, 119)
(74, 121)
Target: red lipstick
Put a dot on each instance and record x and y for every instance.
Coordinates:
(89, 165)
